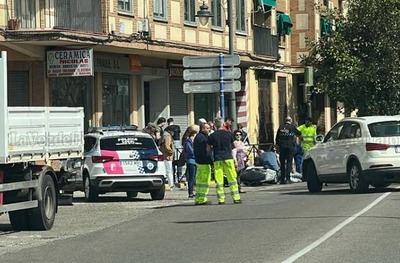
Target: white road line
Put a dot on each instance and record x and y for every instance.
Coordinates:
(334, 230)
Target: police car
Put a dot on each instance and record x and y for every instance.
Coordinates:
(122, 159)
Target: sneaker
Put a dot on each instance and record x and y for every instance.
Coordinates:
(241, 191)
(237, 201)
(191, 196)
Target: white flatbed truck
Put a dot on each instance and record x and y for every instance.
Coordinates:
(30, 139)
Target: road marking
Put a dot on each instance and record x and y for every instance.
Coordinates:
(335, 230)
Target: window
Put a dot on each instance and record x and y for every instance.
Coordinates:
(351, 130)
(90, 142)
(334, 133)
(216, 10)
(384, 129)
(125, 6)
(127, 143)
(116, 107)
(25, 10)
(190, 11)
(160, 9)
(240, 16)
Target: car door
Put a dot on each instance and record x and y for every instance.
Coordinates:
(347, 145)
(324, 154)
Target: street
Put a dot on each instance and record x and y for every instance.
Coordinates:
(273, 224)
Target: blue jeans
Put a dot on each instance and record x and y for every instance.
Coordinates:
(298, 158)
(191, 176)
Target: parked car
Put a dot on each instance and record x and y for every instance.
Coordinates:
(122, 160)
(360, 151)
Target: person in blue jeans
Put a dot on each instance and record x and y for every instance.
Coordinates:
(190, 162)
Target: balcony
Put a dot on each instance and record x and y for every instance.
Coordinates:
(265, 44)
(85, 16)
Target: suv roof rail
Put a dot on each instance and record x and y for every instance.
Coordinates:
(113, 128)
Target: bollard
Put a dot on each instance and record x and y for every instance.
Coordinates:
(1, 193)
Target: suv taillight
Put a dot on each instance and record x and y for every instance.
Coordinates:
(376, 147)
(102, 159)
(156, 157)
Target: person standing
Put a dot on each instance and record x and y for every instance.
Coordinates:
(228, 124)
(203, 162)
(167, 149)
(285, 140)
(190, 162)
(176, 169)
(240, 155)
(308, 134)
(221, 142)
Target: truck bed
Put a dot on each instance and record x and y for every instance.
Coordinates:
(41, 134)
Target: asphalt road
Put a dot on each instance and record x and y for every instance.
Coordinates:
(273, 224)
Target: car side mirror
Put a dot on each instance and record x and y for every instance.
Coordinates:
(319, 139)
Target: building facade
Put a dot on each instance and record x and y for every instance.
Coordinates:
(134, 73)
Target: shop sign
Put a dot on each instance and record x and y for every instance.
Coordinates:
(111, 63)
(70, 63)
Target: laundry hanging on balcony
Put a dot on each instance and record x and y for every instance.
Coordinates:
(284, 24)
(267, 4)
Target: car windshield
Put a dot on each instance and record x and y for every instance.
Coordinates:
(126, 143)
(384, 129)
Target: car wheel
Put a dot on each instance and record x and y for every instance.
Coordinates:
(314, 185)
(158, 194)
(380, 184)
(131, 194)
(91, 191)
(357, 182)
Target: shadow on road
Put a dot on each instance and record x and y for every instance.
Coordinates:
(278, 218)
(343, 191)
(5, 229)
(112, 199)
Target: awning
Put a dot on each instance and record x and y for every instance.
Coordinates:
(284, 24)
(325, 24)
(271, 3)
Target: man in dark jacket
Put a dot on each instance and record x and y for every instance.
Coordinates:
(285, 140)
(203, 161)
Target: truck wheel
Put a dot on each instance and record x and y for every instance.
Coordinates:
(314, 185)
(357, 182)
(158, 194)
(42, 217)
(91, 191)
(19, 220)
(131, 194)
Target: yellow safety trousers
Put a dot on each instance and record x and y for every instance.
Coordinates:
(203, 178)
(226, 167)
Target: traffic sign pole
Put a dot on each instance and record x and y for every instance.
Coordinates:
(221, 86)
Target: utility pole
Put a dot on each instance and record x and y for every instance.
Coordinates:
(231, 34)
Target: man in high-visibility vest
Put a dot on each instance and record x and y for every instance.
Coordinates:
(308, 134)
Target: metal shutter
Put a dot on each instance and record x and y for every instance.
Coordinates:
(178, 104)
(18, 88)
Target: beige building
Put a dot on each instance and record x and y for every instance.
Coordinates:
(133, 52)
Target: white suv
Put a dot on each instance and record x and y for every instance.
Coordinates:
(122, 160)
(360, 151)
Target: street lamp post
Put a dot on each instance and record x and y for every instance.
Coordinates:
(203, 14)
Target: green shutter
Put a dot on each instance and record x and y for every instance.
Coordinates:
(325, 25)
(271, 3)
(284, 24)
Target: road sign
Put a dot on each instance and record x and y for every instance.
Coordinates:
(213, 61)
(210, 87)
(210, 73)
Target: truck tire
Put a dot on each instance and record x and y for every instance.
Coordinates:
(91, 191)
(19, 220)
(131, 194)
(158, 194)
(357, 182)
(42, 217)
(314, 185)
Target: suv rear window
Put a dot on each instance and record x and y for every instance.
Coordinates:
(126, 143)
(384, 129)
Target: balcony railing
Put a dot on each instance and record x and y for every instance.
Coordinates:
(265, 44)
(78, 15)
